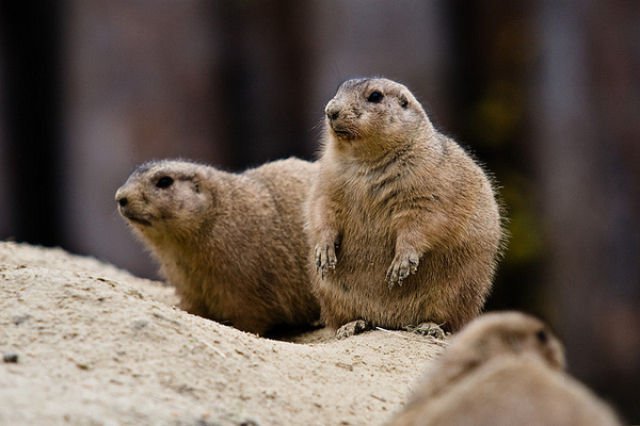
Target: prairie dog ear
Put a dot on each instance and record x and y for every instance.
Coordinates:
(196, 186)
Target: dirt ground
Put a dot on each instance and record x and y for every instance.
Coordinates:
(96, 345)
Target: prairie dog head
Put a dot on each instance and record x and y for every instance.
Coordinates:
(165, 199)
(508, 333)
(380, 111)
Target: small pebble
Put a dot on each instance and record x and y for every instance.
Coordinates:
(10, 357)
(19, 319)
(139, 324)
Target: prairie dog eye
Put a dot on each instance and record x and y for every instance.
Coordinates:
(542, 336)
(375, 97)
(164, 182)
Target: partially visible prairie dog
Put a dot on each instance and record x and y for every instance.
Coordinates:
(404, 225)
(233, 245)
(503, 369)
(488, 337)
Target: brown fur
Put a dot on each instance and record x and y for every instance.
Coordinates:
(503, 369)
(397, 201)
(233, 245)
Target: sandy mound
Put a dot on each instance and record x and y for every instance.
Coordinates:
(96, 345)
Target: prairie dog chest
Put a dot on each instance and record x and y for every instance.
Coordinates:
(367, 201)
(364, 222)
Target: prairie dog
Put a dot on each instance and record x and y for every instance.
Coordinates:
(404, 226)
(503, 369)
(233, 245)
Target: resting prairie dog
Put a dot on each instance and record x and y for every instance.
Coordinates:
(233, 245)
(503, 369)
(403, 224)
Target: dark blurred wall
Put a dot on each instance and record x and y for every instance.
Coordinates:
(141, 85)
(545, 94)
(5, 175)
(586, 102)
(266, 72)
(31, 43)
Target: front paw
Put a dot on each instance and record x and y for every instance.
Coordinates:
(352, 328)
(427, 329)
(401, 267)
(325, 258)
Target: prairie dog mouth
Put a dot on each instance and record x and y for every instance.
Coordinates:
(134, 218)
(344, 132)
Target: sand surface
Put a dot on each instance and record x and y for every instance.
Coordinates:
(96, 345)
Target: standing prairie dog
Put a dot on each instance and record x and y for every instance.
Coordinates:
(503, 369)
(233, 245)
(404, 226)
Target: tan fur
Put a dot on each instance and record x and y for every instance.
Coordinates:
(414, 218)
(232, 244)
(503, 369)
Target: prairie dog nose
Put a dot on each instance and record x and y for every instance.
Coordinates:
(121, 199)
(332, 110)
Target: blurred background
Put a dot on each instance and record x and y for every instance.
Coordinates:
(545, 93)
